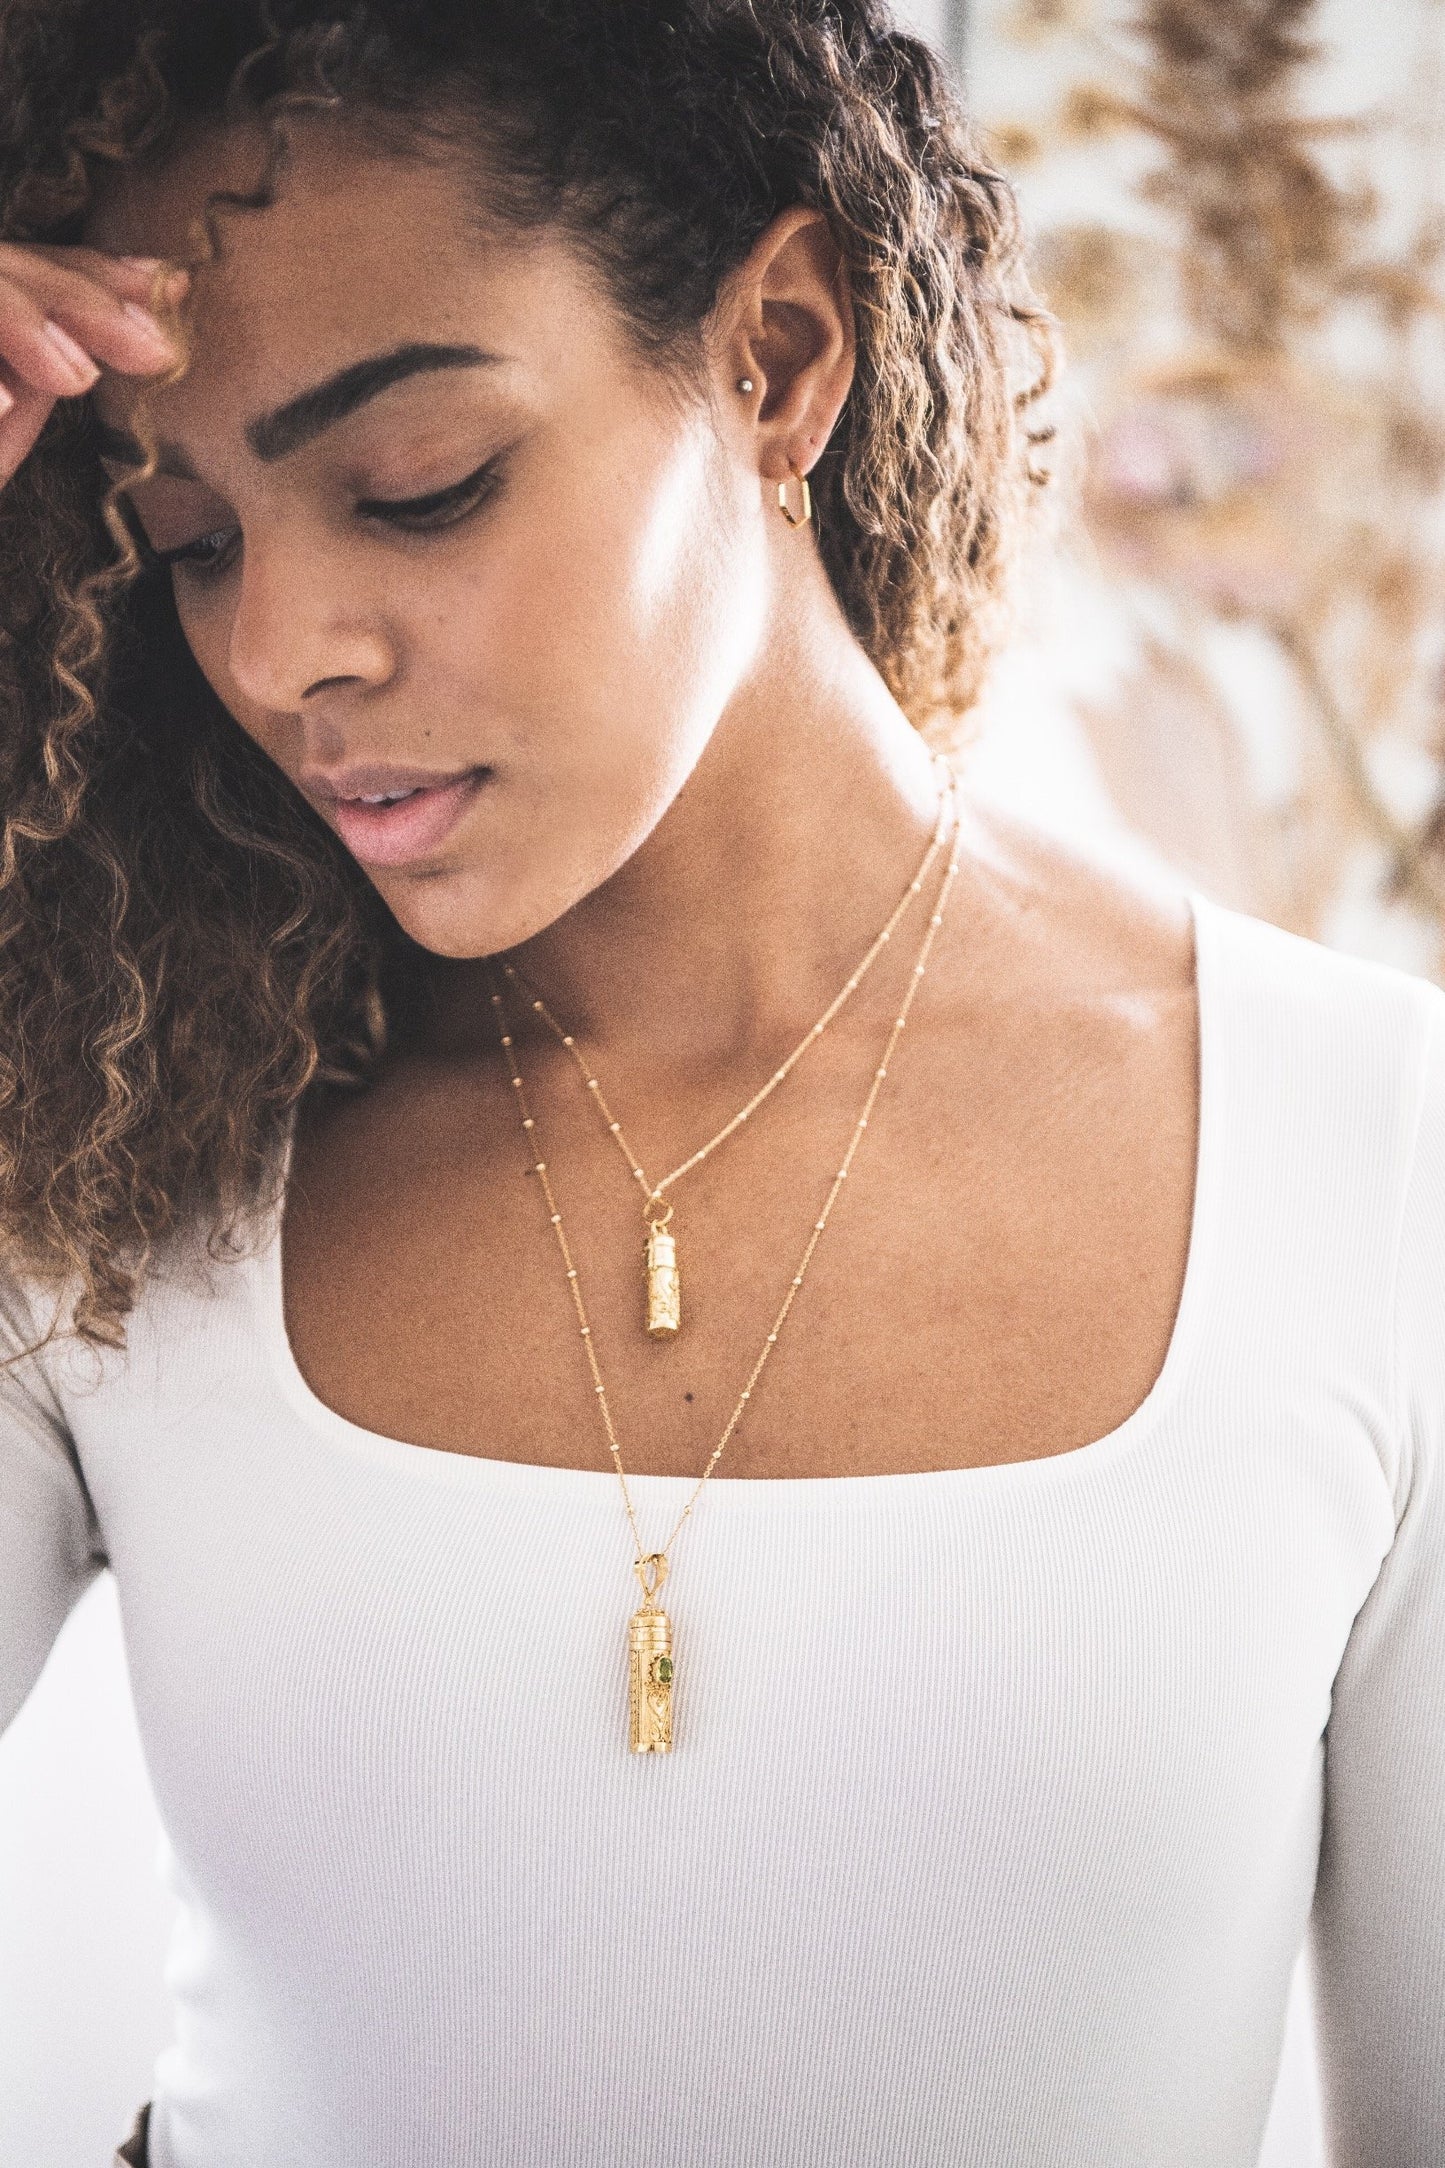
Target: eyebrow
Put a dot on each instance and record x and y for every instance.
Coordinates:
(287, 428)
(276, 435)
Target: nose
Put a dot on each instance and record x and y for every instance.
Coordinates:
(302, 626)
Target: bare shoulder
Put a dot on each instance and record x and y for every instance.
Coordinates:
(1052, 917)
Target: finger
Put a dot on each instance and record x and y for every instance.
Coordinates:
(21, 421)
(34, 355)
(59, 348)
(133, 277)
(122, 335)
(92, 311)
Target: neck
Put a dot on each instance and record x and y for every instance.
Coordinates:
(736, 922)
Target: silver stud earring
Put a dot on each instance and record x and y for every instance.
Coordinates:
(745, 383)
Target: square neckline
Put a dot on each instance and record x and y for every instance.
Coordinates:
(433, 1463)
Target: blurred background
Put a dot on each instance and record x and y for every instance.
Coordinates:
(1229, 662)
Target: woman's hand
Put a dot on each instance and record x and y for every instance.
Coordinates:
(63, 313)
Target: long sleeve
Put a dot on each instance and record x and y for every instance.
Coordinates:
(49, 1542)
(1379, 1919)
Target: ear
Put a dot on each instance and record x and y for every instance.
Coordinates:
(787, 322)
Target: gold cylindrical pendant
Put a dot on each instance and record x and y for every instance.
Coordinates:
(650, 1681)
(664, 1286)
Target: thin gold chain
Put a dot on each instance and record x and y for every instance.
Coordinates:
(539, 1168)
(653, 1192)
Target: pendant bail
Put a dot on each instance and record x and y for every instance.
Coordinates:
(658, 1562)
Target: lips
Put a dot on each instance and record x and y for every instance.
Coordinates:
(408, 828)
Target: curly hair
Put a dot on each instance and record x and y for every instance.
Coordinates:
(185, 946)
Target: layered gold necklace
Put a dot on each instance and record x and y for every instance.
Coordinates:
(651, 1667)
(662, 1282)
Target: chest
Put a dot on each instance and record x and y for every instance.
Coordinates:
(998, 1278)
(1089, 1692)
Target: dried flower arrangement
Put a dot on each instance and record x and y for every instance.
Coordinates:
(1259, 326)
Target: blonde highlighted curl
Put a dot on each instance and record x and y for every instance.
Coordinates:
(185, 947)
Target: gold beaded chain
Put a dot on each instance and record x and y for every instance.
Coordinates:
(663, 1283)
(651, 1671)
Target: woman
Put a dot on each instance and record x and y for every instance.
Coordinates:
(455, 772)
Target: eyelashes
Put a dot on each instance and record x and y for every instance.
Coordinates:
(211, 554)
(193, 554)
(442, 506)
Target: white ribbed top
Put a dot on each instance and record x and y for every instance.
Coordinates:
(1001, 1798)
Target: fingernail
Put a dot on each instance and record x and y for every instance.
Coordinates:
(142, 263)
(144, 321)
(7, 400)
(75, 357)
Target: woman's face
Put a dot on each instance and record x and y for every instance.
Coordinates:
(428, 513)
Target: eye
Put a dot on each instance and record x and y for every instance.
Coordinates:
(212, 554)
(208, 554)
(441, 508)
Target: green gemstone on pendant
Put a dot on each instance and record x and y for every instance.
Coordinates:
(664, 1669)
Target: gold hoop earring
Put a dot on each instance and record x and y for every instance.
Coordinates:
(803, 517)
